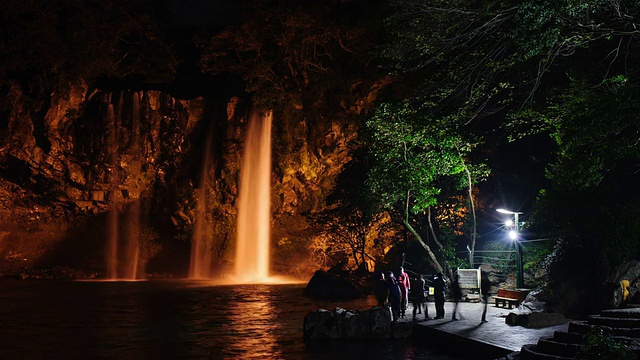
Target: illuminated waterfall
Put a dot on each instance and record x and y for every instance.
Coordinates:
(254, 203)
(132, 233)
(122, 243)
(112, 216)
(201, 254)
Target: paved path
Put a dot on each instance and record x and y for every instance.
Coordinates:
(468, 334)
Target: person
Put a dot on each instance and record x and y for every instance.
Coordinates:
(393, 297)
(405, 286)
(418, 297)
(456, 294)
(485, 287)
(381, 290)
(439, 288)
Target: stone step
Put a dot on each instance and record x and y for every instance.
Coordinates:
(583, 328)
(531, 352)
(579, 327)
(552, 347)
(614, 322)
(568, 337)
(511, 356)
(514, 356)
(629, 313)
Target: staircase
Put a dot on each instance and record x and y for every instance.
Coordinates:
(622, 324)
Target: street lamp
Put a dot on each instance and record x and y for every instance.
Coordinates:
(514, 236)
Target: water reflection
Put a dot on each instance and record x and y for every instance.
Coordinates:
(253, 323)
(169, 320)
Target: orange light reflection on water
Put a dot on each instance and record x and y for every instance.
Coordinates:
(232, 280)
(253, 322)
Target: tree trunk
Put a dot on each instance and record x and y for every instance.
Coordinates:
(426, 246)
(446, 269)
(473, 214)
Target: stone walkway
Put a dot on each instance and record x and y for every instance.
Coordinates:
(469, 337)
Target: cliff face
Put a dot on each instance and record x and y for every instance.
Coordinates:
(83, 165)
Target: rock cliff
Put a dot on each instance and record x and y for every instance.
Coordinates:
(89, 162)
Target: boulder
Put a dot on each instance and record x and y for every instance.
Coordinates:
(326, 285)
(317, 324)
(339, 323)
(532, 313)
(380, 322)
(629, 294)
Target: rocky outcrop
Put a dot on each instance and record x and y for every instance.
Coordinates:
(326, 285)
(339, 323)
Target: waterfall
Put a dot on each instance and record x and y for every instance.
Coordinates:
(132, 235)
(254, 203)
(112, 215)
(123, 224)
(201, 255)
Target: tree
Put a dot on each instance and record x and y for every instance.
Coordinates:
(412, 155)
(47, 46)
(353, 223)
(302, 54)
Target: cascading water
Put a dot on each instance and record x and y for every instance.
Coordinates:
(201, 254)
(112, 216)
(123, 244)
(132, 236)
(254, 203)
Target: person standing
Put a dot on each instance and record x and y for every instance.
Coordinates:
(439, 288)
(381, 290)
(405, 286)
(485, 287)
(456, 294)
(394, 296)
(418, 297)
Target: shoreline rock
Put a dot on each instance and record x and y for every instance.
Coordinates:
(339, 323)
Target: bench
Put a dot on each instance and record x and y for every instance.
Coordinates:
(509, 298)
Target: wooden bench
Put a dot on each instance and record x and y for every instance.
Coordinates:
(509, 298)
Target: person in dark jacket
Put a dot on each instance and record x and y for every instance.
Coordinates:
(439, 296)
(456, 294)
(381, 290)
(418, 297)
(394, 296)
(485, 287)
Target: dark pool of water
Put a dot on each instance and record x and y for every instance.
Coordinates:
(173, 320)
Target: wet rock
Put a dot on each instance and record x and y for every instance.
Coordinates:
(374, 323)
(380, 322)
(317, 324)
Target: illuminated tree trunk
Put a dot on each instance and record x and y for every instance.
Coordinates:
(426, 246)
(473, 213)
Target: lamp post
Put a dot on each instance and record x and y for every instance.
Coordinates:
(515, 235)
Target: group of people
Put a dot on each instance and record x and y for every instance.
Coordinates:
(396, 290)
(393, 290)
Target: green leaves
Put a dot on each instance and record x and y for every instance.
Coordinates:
(548, 26)
(595, 128)
(412, 154)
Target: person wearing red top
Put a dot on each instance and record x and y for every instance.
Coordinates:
(405, 285)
